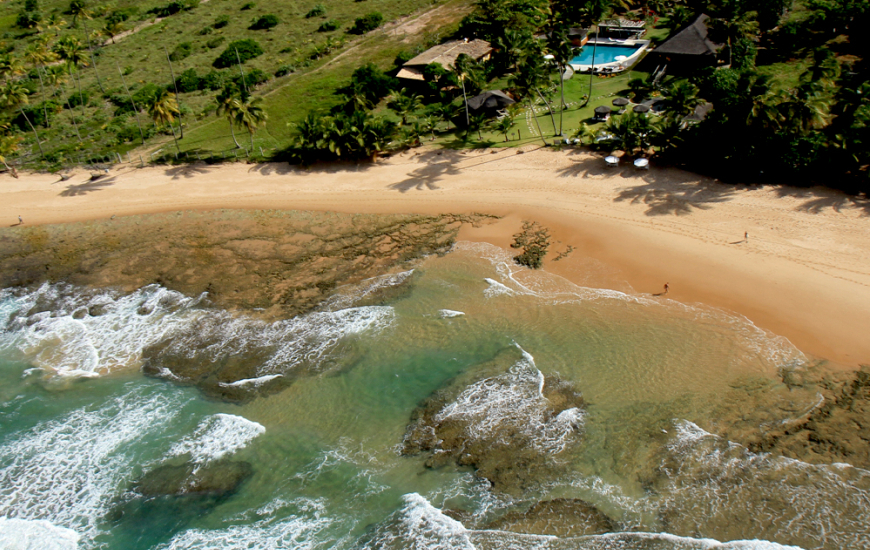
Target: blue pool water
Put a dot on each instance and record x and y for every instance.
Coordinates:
(604, 53)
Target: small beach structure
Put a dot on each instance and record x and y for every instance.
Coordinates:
(641, 164)
(445, 55)
(687, 51)
(602, 112)
(611, 161)
(622, 29)
(641, 108)
(577, 36)
(620, 102)
(489, 102)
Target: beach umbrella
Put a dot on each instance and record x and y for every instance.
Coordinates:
(603, 110)
(611, 160)
(621, 102)
(491, 100)
(641, 108)
(641, 163)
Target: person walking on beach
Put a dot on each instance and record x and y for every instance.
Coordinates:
(20, 221)
(746, 236)
(667, 287)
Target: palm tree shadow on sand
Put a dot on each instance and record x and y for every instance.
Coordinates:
(436, 166)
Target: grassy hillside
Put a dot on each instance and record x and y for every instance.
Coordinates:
(290, 46)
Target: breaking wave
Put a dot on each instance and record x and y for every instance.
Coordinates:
(513, 403)
(217, 436)
(71, 331)
(420, 526)
(68, 470)
(22, 534)
(303, 529)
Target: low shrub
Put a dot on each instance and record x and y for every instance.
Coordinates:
(169, 9)
(205, 30)
(181, 51)
(76, 99)
(249, 6)
(215, 42)
(316, 11)
(238, 51)
(328, 26)
(28, 19)
(284, 70)
(264, 23)
(188, 81)
(221, 21)
(213, 80)
(366, 23)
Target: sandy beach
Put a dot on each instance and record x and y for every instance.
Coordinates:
(803, 272)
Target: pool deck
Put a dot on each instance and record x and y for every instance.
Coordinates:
(614, 66)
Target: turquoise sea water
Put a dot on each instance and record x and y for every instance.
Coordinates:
(604, 53)
(79, 424)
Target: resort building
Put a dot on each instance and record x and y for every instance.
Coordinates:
(445, 55)
(686, 51)
(621, 29)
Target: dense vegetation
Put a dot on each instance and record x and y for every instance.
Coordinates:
(790, 95)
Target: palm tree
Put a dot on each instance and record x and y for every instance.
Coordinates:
(404, 104)
(70, 49)
(733, 22)
(475, 125)
(528, 80)
(504, 125)
(8, 145)
(430, 123)
(55, 76)
(251, 115)
(53, 22)
(113, 29)
(682, 98)
(512, 45)
(38, 56)
(585, 133)
(78, 8)
(163, 107)
(562, 53)
(14, 95)
(229, 105)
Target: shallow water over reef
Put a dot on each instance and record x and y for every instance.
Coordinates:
(474, 404)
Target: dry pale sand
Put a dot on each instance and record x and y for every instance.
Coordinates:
(804, 272)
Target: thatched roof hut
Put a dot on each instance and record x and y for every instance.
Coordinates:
(445, 54)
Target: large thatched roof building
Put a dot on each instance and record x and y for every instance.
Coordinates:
(687, 50)
(445, 55)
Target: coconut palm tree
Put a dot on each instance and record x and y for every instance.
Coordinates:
(163, 107)
(39, 55)
(8, 145)
(15, 96)
(681, 98)
(504, 125)
(229, 105)
(56, 76)
(586, 134)
(528, 80)
(733, 22)
(562, 53)
(403, 103)
(250, 116)
(511, 46)
(113, 28)
(72, 52)
(78, 8)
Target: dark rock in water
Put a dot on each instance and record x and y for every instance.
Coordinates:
(561, 517)
(813, 416)
(498, 421)
(216, 480)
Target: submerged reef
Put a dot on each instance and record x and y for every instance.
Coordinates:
(508, 422)
(282, 262)
(559, 517)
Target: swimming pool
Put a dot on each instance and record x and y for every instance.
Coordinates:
(604, 53)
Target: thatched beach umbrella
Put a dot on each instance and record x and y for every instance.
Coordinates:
(603, 110)
(621, 102)
(641, 108)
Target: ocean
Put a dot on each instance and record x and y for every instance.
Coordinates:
(479, 406)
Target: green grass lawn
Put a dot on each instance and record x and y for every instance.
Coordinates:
(141, 56)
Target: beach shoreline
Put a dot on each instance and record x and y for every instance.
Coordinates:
(803, 273)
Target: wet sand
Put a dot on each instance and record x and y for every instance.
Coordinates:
(803, 273)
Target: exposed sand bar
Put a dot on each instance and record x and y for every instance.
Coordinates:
(804, 272)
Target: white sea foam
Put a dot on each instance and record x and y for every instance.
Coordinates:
(355, 293)
(217, 436)
(72, 331)
(420, 526)
(258, 381)
(449, 313)
(513, 400)
(307, 528)
(22, 534)
(68, 470)
(712, 482)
